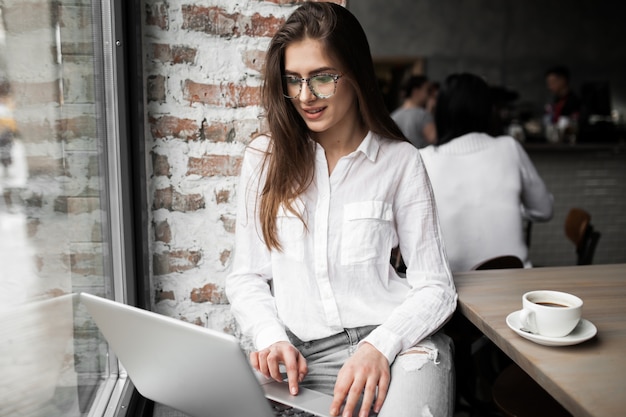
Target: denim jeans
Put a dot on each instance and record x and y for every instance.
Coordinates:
(422, 377)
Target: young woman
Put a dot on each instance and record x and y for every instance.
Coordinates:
(323, 199)
(485, 186)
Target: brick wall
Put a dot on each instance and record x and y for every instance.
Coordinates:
(203, 64)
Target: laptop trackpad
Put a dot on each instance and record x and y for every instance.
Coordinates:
(308, 400)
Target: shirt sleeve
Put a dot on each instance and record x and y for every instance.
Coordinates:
(432, 297)
(537, 201)
(248, 285)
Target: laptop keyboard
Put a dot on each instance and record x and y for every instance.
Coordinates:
(282, 410)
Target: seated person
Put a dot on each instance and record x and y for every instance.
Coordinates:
(484, 186)
(324, 197)
(412, 117)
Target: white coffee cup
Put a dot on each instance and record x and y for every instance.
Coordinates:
(550, 313)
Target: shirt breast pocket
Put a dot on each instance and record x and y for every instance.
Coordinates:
(291, 231)
(367, 232)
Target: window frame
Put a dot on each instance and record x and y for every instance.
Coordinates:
(120, 42)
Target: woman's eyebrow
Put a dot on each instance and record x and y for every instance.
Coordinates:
(315, 71)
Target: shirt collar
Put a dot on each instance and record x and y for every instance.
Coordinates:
(370, 146)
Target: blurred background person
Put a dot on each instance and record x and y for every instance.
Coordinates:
(485, 187)
(563, 111)
(565, 102)
(412, 118)
(433, 93)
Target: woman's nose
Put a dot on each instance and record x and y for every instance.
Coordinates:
(306, 95)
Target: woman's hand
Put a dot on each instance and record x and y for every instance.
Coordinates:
(365, 372)
(267, 362)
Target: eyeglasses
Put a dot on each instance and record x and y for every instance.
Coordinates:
(321, 85)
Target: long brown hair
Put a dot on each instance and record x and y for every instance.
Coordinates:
(289, 162)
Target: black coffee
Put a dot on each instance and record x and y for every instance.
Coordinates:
(549, 304)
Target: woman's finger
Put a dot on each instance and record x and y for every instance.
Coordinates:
(296, 368)
(354, 394)
(382, 389)
(254, 360)
(369, 394)
(340, 392)
(275, 357)
(263, 368)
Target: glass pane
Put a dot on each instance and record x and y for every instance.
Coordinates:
(54, 220)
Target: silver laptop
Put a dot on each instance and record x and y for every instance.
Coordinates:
(198, 371)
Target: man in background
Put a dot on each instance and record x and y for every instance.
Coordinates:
(565, 102)
(412, 118)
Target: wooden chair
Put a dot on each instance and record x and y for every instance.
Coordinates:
(528, 231)
(581, 233)
(500, 262)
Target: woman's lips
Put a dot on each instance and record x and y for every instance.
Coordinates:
(313, 113)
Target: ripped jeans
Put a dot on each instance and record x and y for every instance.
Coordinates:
(422, 377)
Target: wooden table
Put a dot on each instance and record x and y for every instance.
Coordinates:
(588, 379)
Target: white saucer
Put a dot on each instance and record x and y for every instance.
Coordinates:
(585, 330)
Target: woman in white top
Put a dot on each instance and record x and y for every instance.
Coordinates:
(323, 199)
(484, 186)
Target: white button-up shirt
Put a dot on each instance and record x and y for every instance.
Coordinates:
(334, 272)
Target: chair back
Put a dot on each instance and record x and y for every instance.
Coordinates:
(500, 262)
(582, 234)
(576, 224)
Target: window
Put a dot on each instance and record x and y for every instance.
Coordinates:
(66, 219)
